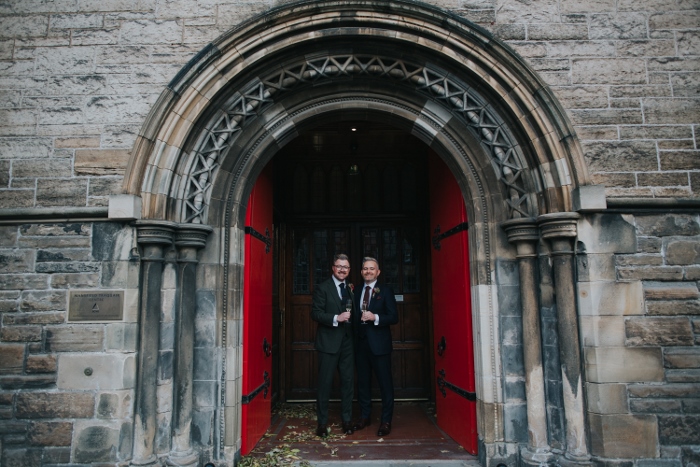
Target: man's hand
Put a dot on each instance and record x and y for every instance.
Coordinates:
(344, 316)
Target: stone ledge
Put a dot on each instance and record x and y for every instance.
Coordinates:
(57, 214)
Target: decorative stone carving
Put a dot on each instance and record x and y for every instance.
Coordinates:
(460, 100)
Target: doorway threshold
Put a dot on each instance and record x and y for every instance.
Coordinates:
(415, 440)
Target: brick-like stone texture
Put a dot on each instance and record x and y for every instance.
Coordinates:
(55, 405)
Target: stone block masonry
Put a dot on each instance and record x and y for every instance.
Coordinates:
(666, 263)
(66, 388)
(78, 85)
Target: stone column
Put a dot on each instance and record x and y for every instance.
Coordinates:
(153, 237)
(524, 234)
(189, 238)
(560, 230)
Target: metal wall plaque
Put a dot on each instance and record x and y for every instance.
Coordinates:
(94, 305)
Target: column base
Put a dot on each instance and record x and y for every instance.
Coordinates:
(564, 461)
(183, 459)
(536, 458)
(150, 460)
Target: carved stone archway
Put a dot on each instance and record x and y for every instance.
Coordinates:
(447, 81)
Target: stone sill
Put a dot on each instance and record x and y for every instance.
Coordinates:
(57, 214)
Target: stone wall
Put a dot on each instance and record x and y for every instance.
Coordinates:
(78, 82)
(66, 388)
(668, 264)
(639, 319)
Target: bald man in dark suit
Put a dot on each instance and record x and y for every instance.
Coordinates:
(373, 345)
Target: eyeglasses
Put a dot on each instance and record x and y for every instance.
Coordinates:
(341, 268)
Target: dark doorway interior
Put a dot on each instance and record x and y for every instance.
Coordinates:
(359, 188)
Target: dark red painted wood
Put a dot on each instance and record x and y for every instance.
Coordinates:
(257, 312)
(452, 319)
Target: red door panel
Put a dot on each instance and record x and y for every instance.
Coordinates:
(257, 313)
(452, 323)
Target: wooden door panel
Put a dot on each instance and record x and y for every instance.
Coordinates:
(452, 325)
(399, 264)
(414, 322)
(257, 313)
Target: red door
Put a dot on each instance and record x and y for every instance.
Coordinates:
(452, 323)
(257, 313)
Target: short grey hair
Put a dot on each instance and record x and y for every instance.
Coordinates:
(369, 258)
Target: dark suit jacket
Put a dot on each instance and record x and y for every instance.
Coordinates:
(382, 304)
(326, 304)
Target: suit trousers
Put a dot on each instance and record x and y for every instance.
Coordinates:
(343, 361)
(380, 366)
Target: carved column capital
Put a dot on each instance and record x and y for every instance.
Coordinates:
(524, 234)
(192, 235)
(155, 232)
(558, 224)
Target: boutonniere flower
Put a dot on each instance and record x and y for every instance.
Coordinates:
(351, 287)
(375, 291)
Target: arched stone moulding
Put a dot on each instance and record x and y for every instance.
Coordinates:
(512, 149)
(554, 156)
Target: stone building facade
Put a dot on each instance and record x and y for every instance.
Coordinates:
(132, 133)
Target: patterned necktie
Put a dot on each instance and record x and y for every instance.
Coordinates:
(365, 298)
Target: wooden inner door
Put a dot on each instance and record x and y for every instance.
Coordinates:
(364, 193)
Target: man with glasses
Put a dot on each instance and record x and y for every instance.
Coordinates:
(334, 343)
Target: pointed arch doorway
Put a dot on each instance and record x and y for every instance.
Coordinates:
(368, 189)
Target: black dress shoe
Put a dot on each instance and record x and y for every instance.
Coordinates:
(322, 431)
(384, 429)
(361, 423)
(347, 428)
